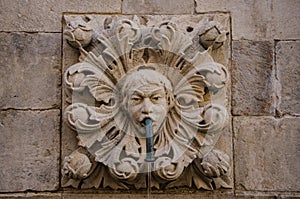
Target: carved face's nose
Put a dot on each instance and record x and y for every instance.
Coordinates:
(147, 107)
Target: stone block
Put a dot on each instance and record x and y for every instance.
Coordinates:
(29, 158)
(264, 195)
(251, 19)
(31, 196)
(288, 69)
(255, 196)
(158, 7)
(36, 15)
(267, 156)
(163, 195)
(30, 70)
(252, 74)
(290, 195)
(286, 19)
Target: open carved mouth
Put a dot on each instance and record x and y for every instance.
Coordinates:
(143, 121)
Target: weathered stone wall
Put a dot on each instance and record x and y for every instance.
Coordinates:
(264, 82)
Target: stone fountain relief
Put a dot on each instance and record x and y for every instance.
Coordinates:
(166, 70)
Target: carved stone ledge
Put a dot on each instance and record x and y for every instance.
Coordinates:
(131, 69)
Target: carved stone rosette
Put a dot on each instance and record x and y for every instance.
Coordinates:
(131, 69)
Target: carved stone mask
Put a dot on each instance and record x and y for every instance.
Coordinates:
(145, 93)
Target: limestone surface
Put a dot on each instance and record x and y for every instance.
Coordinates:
(267, 157)
(264, 79)
(286, 19)
(31, 196)
(157, 7)
(137, 72)
(252, 74)
(288, 68)
(36, 15)
(29, 158)
(30, 70)
(250, 19)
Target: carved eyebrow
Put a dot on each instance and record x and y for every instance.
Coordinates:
(152, 92)
(138, 92)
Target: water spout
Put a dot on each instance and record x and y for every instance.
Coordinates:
(149, 141)
(150, 152)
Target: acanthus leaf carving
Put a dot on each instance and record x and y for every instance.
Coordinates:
(135, 72)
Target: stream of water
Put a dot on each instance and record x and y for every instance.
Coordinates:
(149, 165)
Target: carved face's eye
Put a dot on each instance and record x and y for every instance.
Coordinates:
(135, 99)
(156, 98)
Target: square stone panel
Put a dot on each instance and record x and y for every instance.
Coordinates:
(30, 70)
(29, 158)
(186, 23)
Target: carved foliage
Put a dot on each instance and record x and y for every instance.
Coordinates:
(179, 79)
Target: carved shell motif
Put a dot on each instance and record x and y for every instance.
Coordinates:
(126, 57)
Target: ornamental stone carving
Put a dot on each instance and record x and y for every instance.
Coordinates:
(141, 75)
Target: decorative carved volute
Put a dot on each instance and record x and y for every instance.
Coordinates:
(129, 71)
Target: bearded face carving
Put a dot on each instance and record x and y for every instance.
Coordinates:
(141, 73)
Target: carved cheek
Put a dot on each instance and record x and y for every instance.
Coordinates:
(160, 111)
(135, 111)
